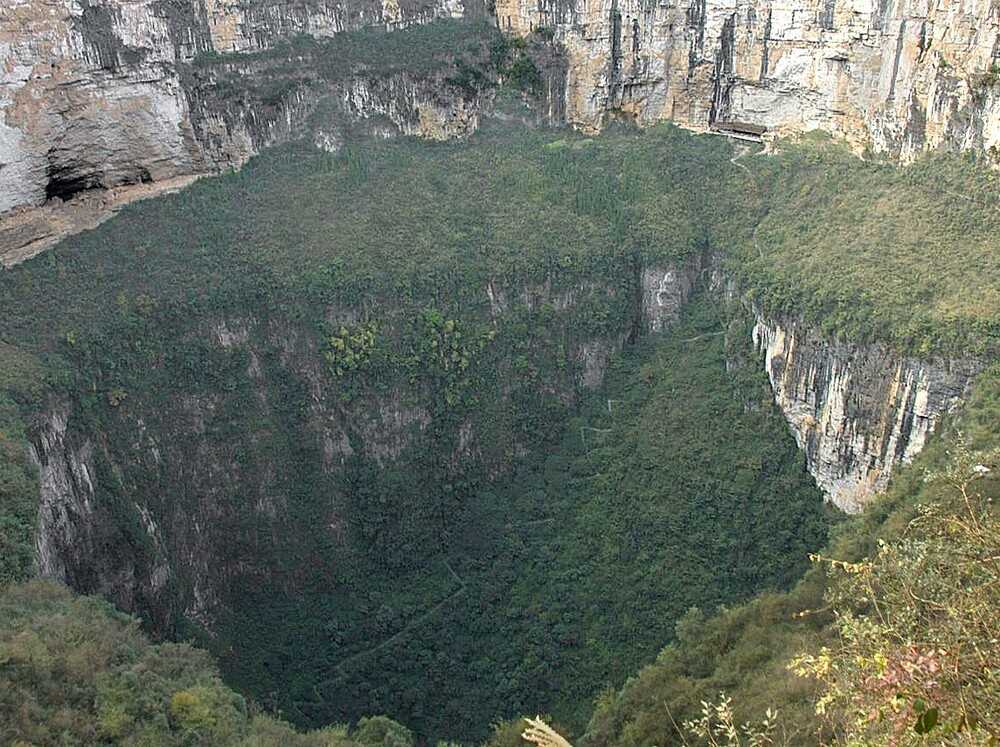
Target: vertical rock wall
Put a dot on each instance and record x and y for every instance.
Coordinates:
(91, 94)
(89, 97)
(857, 411)
(413, 107)
(109, 524)
(896, 76)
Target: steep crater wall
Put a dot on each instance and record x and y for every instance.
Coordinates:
(232, 474)
(857, 411)
(292, 423)
(94, 93)
(895, 77)
(141, 503)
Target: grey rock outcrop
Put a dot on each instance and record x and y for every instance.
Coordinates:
(92, 92)
(857, 411)
(665, 290)
(898, 77)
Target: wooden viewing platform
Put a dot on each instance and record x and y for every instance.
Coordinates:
(739, 130)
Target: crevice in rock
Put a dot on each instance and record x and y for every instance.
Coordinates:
(97, 26)
(723, 75)
(616, 52)
(825, 15)
(765, 53)
(65, 183)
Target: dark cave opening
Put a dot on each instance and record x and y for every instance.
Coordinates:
(66, 183)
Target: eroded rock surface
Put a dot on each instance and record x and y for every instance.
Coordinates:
(857, 411)
(895, 76)
(93, 93)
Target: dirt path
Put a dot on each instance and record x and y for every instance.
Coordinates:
(340, 669)
(702, 337)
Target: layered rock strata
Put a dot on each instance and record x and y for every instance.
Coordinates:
(896, 76)
(92, 92)
(857, 411)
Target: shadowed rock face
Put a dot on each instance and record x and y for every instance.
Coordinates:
(857, 412)
(169, 554)
(92, 93)
(895, 76)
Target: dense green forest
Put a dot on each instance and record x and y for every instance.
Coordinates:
(568, 576)
(74, 670)
(916, 572)
(513, 203)
(560, 557)
(399, 616)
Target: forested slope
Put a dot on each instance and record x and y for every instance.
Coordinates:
(897, 617)
(383, 444)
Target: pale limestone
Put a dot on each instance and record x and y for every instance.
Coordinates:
(857, 411)
(91, 94)
(900, 82)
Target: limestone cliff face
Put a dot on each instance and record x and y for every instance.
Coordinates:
(412, 106)
(88, 97)
(857, 411)
(249, 25)
(92, 92)
(665, 290)
(896, 76)
(67, 488)
(181, 493)
(229, 129)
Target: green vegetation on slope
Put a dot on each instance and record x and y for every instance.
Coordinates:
(909, 256)
(930, 587)
(917, 648)
(22, 381)
(400, 221)
(639, 511)
(557, 582)
(418, 50)
(455, 598)
(74, 671)
(573, 573)
(869, 251)
(388, 614)
(18, 497)
(462, 57)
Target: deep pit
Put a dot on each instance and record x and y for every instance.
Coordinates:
(450, 432)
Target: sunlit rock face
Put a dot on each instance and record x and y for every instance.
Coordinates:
(857, 411)
(897, 77)
(92, 94)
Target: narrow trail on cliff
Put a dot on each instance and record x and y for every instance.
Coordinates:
(742, 151)
(340, 671)
(701, 337)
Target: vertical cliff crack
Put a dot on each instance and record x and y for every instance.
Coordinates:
(765, 52)
(616, 52)
(696, 14)
(723, 74)
(827, 13)
(635, 328)
(895, 61)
